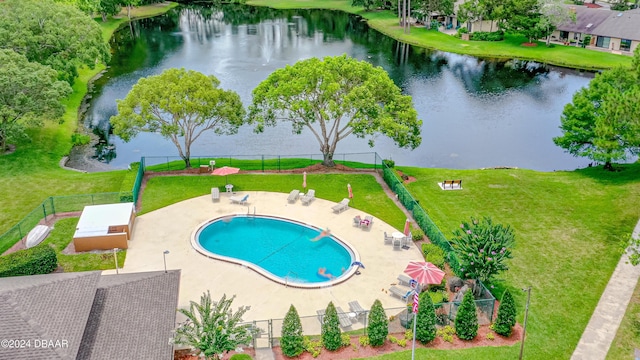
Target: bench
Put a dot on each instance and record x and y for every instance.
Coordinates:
(452, 184)
(355, 307)
(343, 318)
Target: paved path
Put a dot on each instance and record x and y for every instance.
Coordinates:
(601, 330)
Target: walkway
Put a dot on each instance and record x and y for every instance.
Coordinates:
(603, 326)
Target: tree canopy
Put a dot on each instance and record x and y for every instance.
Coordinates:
(602, 122)
(181, 105)
(54, 34)
(29, 94)
(212, 328)
(335, 97)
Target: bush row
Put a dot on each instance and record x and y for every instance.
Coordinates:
(487, 36)
(39, 259)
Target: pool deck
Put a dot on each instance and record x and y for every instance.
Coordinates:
(171, 228)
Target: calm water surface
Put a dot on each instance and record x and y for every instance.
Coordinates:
(476, 112)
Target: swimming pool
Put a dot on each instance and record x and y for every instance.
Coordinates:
(282, 250)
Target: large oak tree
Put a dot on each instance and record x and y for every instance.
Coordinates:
(602, 122)
(336, 97)
(54, 34)
(181, 105)
(29, 94)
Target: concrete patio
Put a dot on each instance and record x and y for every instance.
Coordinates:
(171, 229)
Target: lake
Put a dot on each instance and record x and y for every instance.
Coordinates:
(476, 112)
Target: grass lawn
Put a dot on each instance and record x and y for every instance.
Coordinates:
(31, 173)
(368, 195)
(61, 236)
(568, 227)
(387, 23)
(628, 336)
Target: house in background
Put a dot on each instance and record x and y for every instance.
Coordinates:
(609, 30)
(89, 316)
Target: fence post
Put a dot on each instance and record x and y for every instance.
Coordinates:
(92, 203)
(44, 211)
(53, 207)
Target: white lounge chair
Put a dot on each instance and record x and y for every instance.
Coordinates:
(308, 197)
(293, 196)
(401, 292)
(404, 279)
(215, 194)
(355, 307)
(388, 240)
(341, 206)
(367, 222)
(345, 320)
(239, 200)
(357, 220)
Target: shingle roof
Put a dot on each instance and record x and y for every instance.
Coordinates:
(46, 307)
(623, 25)
(585, 17)
(134, 317)
(126, 316)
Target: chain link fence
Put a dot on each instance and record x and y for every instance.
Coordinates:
(261, 162)
(268, 332)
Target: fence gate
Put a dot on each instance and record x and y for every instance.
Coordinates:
(263, 334)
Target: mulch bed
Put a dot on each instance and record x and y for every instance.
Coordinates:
(528, 44)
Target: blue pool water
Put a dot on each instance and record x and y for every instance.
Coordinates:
(280, 247)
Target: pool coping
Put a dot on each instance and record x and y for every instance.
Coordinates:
(355, 256)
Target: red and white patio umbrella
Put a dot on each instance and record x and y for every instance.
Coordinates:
(225, 171)
(350, 191)
(424, 272)
(304, 180)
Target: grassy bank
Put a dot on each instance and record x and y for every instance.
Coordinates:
(387, 23)
(31, 174)
(568, 227)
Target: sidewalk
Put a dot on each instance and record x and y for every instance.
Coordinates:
(603, 325)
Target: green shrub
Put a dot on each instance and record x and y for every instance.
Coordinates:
(446, 333)
(312, 347)
(364, 340)
(417, 234)
(292, 340)
(408, 334)
(331, 329)
(80, 139)
(39, 259)
(490, 336)
(393, 339)
(402, 342)
(467, 318)
(378, 327)
(483, 248)
(389, 163)
(240, 357)
(432, 249)
(437, 297)
(426, 325)
(345, 340)
(506, 319)
(487, 36)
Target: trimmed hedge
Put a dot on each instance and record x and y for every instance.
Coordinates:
(39, 259)
(240, 357)
(487, 36)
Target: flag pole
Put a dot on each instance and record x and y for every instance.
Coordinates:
(414, 308)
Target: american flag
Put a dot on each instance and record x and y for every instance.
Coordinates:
(415, 302)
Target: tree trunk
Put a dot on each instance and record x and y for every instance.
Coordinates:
(608, 166)
(187, 162)
(129, 11)
(328, 159)
(3, 142)
(104, 17)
